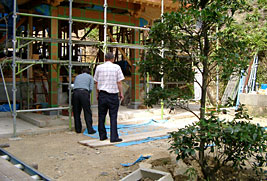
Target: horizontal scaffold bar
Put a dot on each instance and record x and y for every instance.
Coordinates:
(82, 21)
(123, 45)
(43, 109)
(82, 42)
(49, 61)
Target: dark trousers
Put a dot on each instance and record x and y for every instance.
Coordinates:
(81, 100)
(108, 102)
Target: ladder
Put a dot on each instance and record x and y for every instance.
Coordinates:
(34, 174)
(240, 88)
(253, 75)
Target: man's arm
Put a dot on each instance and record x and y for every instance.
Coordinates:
(120, 89)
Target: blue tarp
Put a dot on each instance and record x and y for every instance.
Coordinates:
(142, 141)
(263, 86)
(8, 7)
(138, 160)
(126, 129)
(142, 22)
(43, 9)
(5, 107)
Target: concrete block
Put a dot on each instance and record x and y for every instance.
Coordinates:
(29, 118)
(143, 173)
(143, 165)
(255, 103)
(253, 99)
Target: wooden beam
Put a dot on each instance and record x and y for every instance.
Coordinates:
(92, 26)
(122, 52)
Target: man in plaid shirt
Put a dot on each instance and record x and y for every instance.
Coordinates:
(108, 77)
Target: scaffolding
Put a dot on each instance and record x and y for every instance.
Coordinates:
(15, 60)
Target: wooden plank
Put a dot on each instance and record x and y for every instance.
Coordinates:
(134, 137)
(8, 172)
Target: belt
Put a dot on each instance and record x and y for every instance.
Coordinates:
(105, 92)
(80, 89)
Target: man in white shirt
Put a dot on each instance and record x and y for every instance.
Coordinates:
(108, 77)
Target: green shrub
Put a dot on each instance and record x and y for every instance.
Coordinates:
(235, 143)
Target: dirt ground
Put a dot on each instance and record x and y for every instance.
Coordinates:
(60, 157)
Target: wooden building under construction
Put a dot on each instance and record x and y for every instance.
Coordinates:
(45, 43)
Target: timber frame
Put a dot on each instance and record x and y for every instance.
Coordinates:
(46, 34)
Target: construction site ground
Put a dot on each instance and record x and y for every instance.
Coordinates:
(60, 156)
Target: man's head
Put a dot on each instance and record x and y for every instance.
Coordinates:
(109, 57)
(86, 70)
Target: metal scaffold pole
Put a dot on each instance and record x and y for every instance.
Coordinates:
(70, 60)
(14, 113)
(17, 60)
(105, 27)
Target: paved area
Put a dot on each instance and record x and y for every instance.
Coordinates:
(36, 123)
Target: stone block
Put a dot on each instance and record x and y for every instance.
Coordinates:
(255, 103)
(145, 173)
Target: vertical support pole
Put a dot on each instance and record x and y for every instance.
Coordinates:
(162, 55)
(28, 70)
(14, 113)
(20, 85)
(105, 27)
(53, 75)
(101, 38)
(30, 46)
(70, 60)
(135, 58)
(59, 87)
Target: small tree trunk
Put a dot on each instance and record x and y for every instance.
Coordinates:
(204, 52)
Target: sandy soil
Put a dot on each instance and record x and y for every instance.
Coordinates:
(60, 157)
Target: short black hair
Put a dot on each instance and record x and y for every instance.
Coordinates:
(86, 70)
(109, 56)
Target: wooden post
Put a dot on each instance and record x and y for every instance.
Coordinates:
(135, 58)
(52, 70)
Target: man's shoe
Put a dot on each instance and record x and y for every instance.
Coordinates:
(117, 140)
(92, 132)
(102, 139)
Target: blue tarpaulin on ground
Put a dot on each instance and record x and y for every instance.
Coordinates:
(5, 107)
(126, 129)
(138, 160)
(142, 141)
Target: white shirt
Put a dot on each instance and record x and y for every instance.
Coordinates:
(107, 76)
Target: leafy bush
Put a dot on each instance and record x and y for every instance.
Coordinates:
(231, 143)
